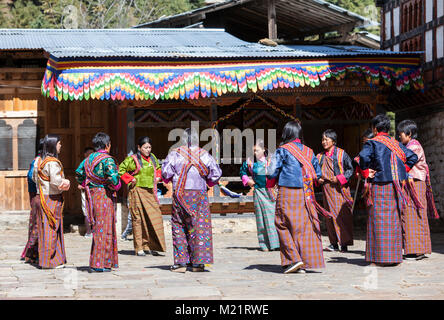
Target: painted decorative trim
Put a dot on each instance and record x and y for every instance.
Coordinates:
(148, 80)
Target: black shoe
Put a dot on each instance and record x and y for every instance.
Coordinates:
(410, 257)
(344, 249)
(182, 268)
(198, 268)
(420, 257)
(332, 247)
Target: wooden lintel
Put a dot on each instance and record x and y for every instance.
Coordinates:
(22, 70)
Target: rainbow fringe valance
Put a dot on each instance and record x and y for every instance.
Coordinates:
(143, 80)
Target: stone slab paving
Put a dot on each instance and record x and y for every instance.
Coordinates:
(240, 271)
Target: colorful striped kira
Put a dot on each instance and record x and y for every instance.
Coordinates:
(147, 80)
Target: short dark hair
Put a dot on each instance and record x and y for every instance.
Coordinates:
(40, 147)
(368, 133)
(330, 133)
(409, 127)
(50, 146)
(292, 130)
(100, 141)
(88, 149)
(381, 122)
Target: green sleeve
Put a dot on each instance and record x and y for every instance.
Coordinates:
(80, 172)
(127, 165)
(244, 170)
(111, 171)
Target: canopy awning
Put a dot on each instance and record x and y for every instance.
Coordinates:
(114, 78)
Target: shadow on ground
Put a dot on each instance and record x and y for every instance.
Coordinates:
(245, 248)
(358, 262)
(274, 268)
(163, 267)
(127, 252)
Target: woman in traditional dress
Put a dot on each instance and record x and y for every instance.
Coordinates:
(263, 197)
(391, 161)
(191, 169)
(337, 169)
(99, 176)
(50, 179)
(296, 169)
(141, 172)
(415, 223)
(31, 251)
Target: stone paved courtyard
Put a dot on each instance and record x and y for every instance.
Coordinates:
(240, 271)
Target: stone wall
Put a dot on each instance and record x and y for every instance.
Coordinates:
(431, 136)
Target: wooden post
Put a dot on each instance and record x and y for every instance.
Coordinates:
(15, 125)
(45, 119)
(78, 156)
(130, 138)
(297, 109)
(213, 117)
(272, 26)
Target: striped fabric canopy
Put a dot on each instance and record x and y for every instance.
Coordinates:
(139, 79)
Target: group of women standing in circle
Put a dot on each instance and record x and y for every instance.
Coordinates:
(287, 213)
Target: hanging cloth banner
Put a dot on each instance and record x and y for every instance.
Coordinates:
(136, 79)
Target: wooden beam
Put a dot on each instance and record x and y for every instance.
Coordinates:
(272, 25)
(171, 124)
(22, 70)
(21, 83)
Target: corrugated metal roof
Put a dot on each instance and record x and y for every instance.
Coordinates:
(338, 50)
(161, 43)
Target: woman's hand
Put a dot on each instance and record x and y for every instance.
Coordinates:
(371, 173)
(321, 181)
(64, 186)
(334, 180)
(251, 182)
(133, 183)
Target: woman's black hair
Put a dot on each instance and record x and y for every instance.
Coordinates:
(330, 133)
(50, 146)
(40, 148)
(368, 133)
(292, 130)
(261, 143)
(381, 122)
(409, 128)
(190, 137)
(100, 141)
(140, 143)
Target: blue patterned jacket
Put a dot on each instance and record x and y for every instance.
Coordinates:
(287, 170)
(376, 156)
